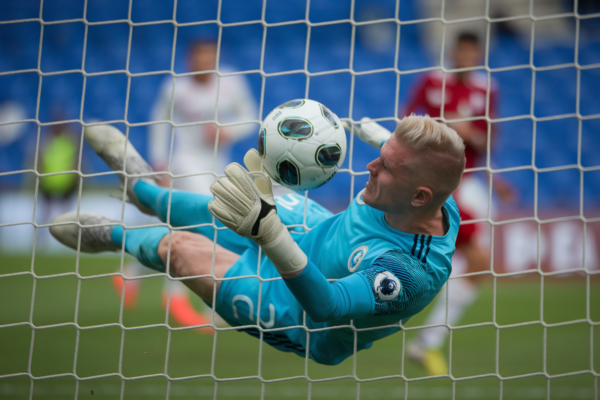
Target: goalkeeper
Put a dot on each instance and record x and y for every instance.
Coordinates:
(389, 252)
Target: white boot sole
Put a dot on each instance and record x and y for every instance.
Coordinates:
(93, 240)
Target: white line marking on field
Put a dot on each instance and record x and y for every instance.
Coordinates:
(190, 390)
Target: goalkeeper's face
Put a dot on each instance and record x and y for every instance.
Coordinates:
(391, 186)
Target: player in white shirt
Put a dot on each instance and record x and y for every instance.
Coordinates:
(200, 100)
(196, 101)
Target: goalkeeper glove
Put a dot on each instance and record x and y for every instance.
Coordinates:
(243, 202)
(369, 132)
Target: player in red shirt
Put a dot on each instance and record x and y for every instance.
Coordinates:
(465, 96)
(460, 95)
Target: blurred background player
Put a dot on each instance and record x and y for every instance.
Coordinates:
(58, 153)
(198, 99)
(464, 95)
(10, 135)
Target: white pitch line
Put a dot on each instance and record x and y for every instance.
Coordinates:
(190, 390)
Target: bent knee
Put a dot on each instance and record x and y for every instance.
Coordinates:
(186, 252)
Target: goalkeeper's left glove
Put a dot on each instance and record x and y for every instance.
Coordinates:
(369, 132)
(243, 202)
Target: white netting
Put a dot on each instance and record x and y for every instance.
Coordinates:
(359, 386)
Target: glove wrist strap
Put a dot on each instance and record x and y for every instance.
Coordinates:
(280, 248)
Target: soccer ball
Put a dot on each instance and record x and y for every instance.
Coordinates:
(302, 144)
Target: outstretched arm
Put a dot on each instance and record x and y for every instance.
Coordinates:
(395, 284)
(346, 298)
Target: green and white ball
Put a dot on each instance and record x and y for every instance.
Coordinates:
(302, 144)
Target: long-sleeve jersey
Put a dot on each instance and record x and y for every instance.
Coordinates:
(383, 275)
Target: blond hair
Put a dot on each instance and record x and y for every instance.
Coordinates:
(441, 154)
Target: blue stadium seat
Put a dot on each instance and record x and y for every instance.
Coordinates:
(6, 62)
(590, 82)
(62, 47)
(279, 11)
(508, 51)
(240, 10)
(243, 58)
(548, 54)
(21, 43)
(329, 10)
(244, 36)
(591, 193)
(589, 53)
(279, 59)
(374, 95)
(510, 158)
(106, 10)
(144, 91)
(332, 90)
(12, 10)
(151, 10)
(193, 11)
(279, 89)
(62, 9)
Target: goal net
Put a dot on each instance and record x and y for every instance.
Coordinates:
(518, 317)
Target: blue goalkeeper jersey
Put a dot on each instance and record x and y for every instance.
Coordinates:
(358, 245)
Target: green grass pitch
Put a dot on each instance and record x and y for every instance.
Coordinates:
(523, 353)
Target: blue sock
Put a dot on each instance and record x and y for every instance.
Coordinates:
(152, 197)
(188, 209)
(142, 244)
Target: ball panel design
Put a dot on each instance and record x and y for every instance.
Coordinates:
(288, 172)
(292, 104)
(271, 171)
(315, 176)
(295, 128)
(302, 152)
(262, 137)
(329, 116)
(328, 156)
(302, 144)
(340, 140)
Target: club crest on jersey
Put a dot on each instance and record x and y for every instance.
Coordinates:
(386, 286)
(356, 257)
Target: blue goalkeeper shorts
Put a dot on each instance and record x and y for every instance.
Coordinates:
(239, 304)
(281, 316)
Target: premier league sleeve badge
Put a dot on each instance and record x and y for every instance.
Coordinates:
(386, 286)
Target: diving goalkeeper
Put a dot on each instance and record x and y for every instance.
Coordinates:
(389, 252)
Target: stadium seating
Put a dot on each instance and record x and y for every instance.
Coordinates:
(151, 49)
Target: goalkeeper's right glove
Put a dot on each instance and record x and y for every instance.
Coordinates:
(369, 132)
(243, 202)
